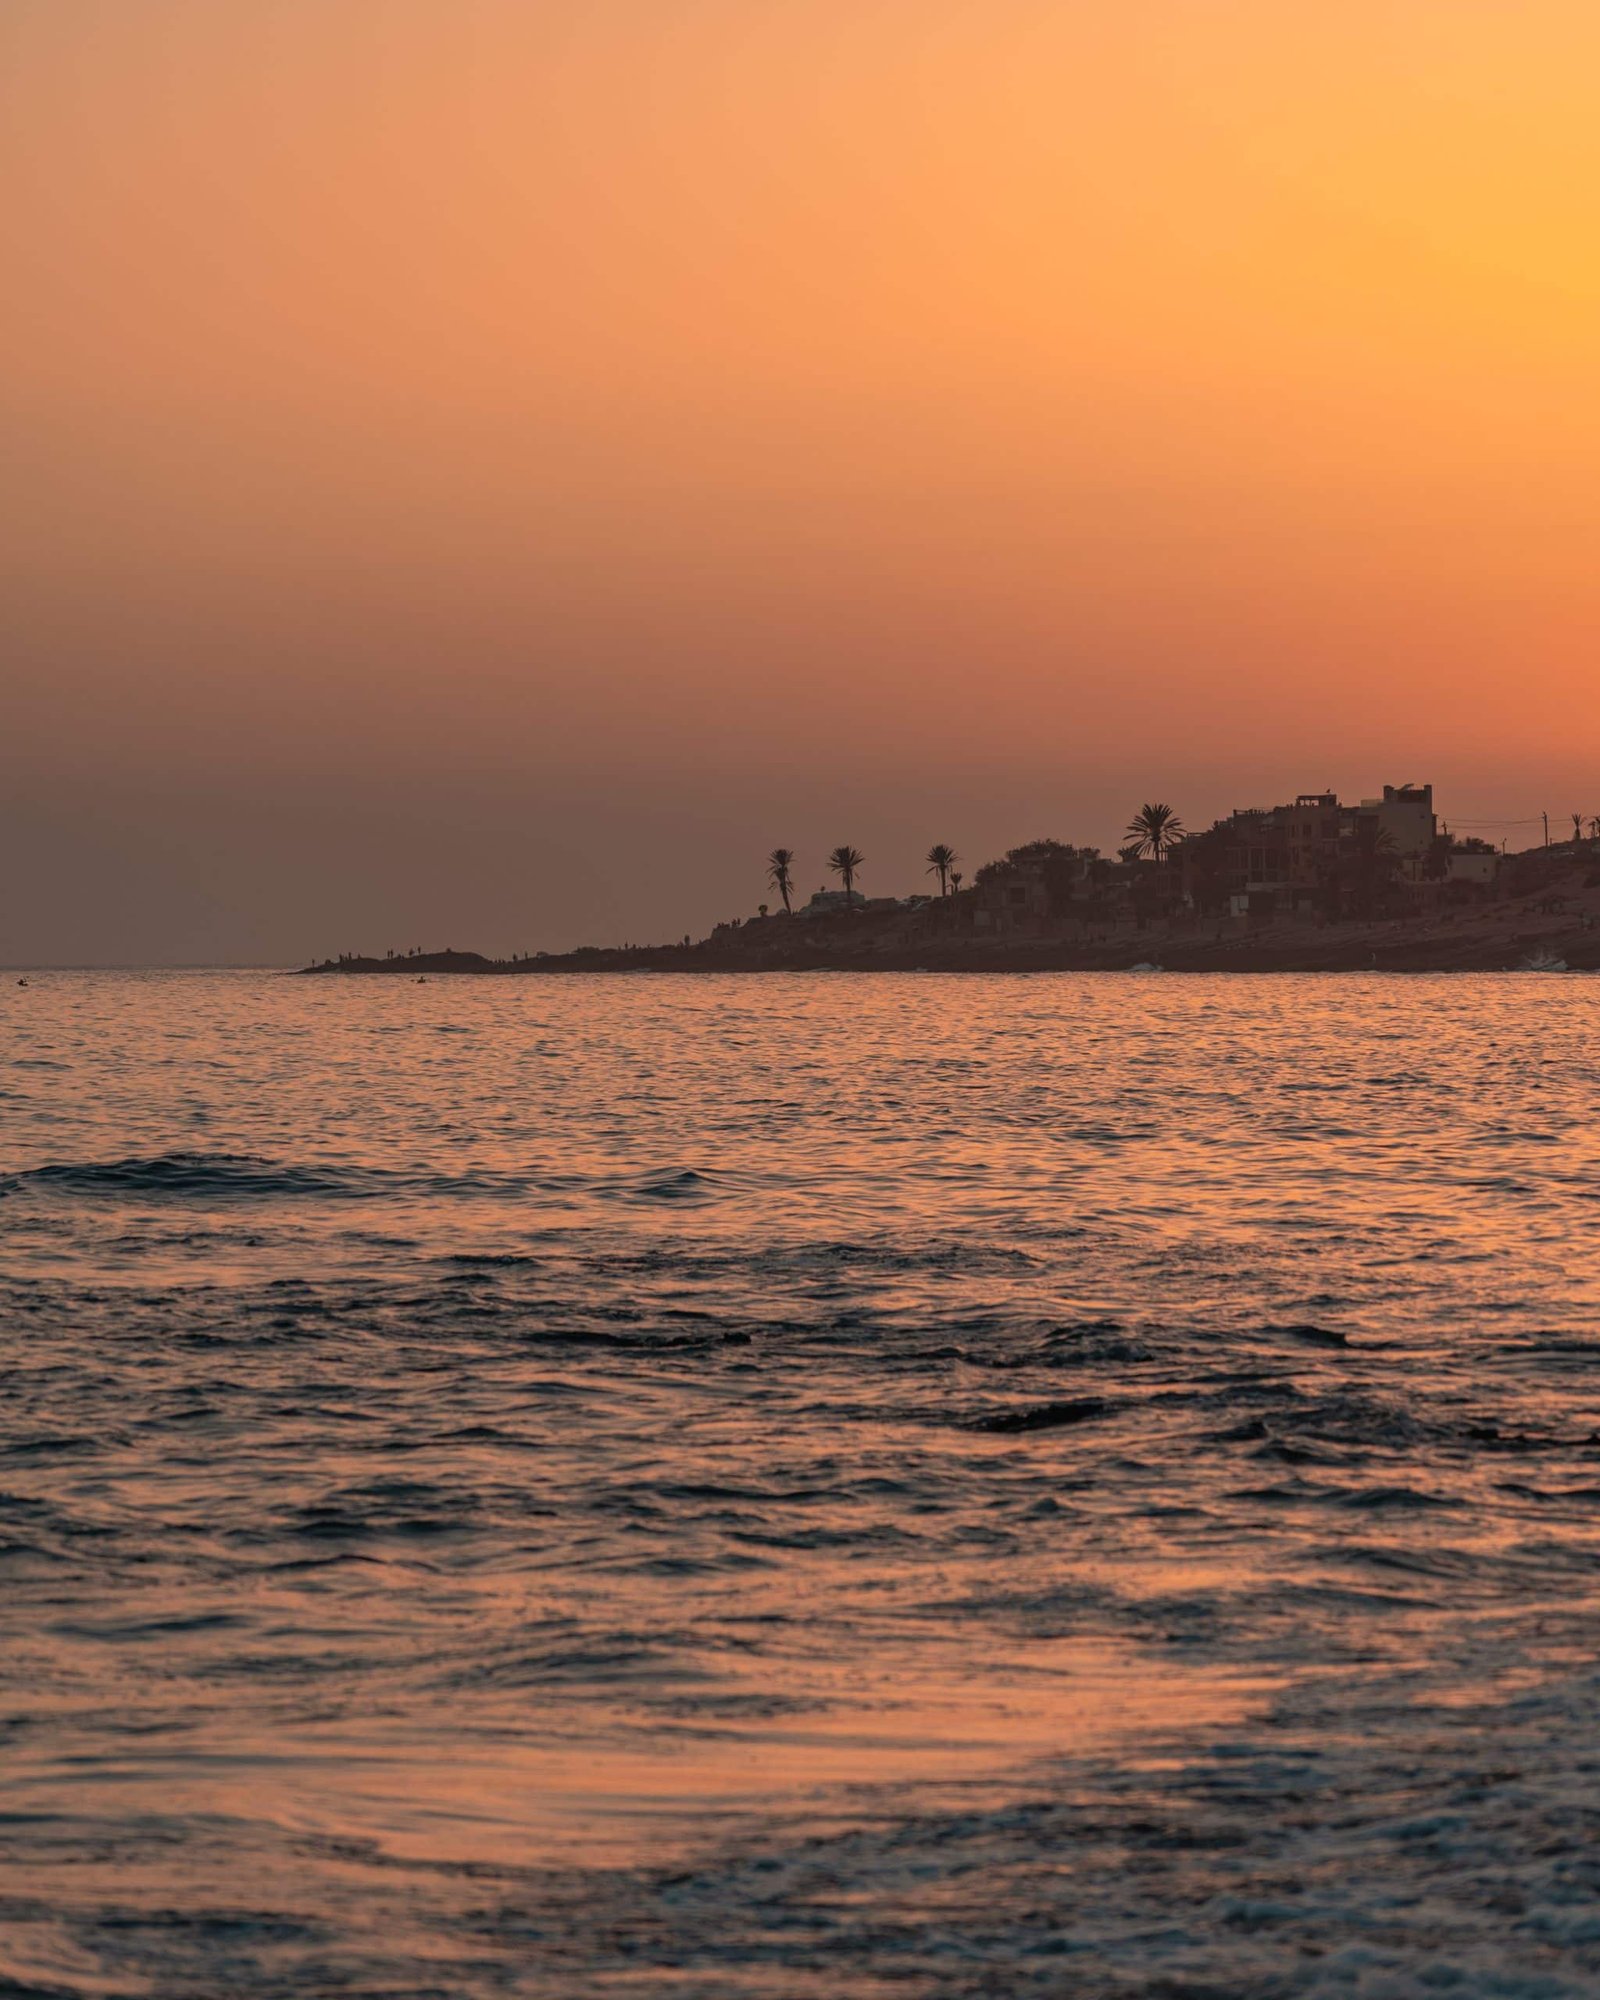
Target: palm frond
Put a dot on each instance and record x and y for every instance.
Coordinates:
(1154, 830)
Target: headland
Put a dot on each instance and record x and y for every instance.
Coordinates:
(1047, 909)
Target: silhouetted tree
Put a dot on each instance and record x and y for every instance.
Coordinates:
(1372, 871)
(1577, 828)
(1207, 867)
(1154, 830)
(1031, 854)
(843, 862)
(1060, 868)
(941, 859)
(780, 872)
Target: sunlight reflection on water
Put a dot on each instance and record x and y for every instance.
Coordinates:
(543, 1434)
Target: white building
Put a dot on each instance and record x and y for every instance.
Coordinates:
(1405, 813)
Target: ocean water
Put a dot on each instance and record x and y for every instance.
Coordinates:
(799, 1485)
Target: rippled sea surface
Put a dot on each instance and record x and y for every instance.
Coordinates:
(799, 1485)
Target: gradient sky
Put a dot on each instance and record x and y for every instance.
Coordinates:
(483, 471)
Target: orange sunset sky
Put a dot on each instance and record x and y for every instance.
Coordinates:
(483, 471)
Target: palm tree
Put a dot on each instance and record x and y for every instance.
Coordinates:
(1154, 830)
(941, 860)
(780, 873)
(1375, 866)
(844, 861)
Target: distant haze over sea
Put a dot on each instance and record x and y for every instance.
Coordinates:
(505, 863)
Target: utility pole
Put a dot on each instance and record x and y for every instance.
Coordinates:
(1546, 829)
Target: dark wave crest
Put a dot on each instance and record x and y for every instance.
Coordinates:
(202, 1177)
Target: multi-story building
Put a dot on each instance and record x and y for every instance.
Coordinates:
(1405, 813)
(1313, 853)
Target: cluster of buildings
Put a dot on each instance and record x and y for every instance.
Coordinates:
(1313, 857)
(1295, 846)
(1320, 855)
